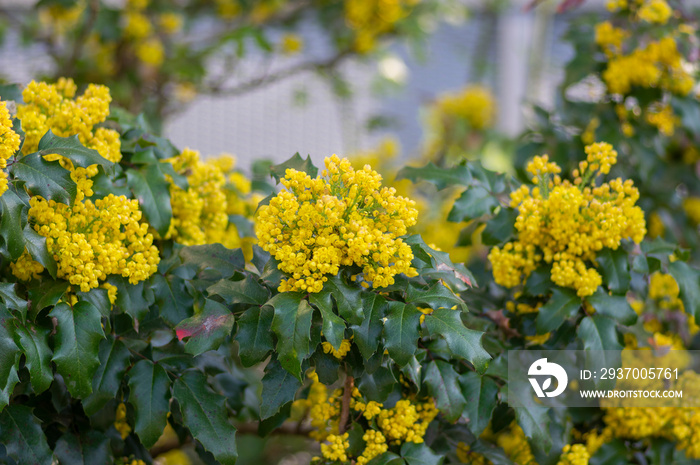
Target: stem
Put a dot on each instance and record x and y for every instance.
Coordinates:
(345, 407)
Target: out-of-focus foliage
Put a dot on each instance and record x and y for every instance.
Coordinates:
(156, 56)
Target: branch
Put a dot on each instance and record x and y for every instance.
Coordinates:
(266, 79)
(345, 406)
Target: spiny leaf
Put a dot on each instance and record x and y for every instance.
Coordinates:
(21, 434)
(204, 415)
(462, 341)
(45, 178)
(78, 334)
(206, 330)
(149, 393)
(255, 335)
(292, 325)
(71, 148)
(279, 387)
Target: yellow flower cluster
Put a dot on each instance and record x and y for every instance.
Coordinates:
(407, 421)
(120, 423)
(658, 64)
(576, 454)
(514, 442)
(291, 44)
(315, 226)
(466, 455)
(55, 107)
(215, 191)
(9, 144)
(473, 104)
(433, 208)
(370, 19)
(691, 205)
(337, 448)
(342, 351)
(565, 224)
(610, 38)
(663, 118)
(92, 240)
(655, 11)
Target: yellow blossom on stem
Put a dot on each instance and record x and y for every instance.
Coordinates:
(345, 217)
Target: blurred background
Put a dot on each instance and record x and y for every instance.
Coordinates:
(512, 48)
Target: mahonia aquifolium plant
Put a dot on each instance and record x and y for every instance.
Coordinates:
(345, 217)
(566, 223)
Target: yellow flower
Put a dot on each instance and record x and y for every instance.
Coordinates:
(9, 144)
(691, 205)
(151, 52)
(92, 240)
(655, 11)
(345, 346)
(170, 22)
(120, 422)
(370, 19)
(610, 38)
(291, 44)
(315, 226)
(565, 224)
(473, 104)
(466, 455)
(574, 455)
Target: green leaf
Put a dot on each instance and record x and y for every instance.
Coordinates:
(36, 246)
(563, 304)
(34, 342)
(534, 421)
(11, 227)
(387, 458)
(442, 177)
(474, 202)
(247, 291)
(436, 296)
(114, 360)
(333, 325)
(12, 300)
(614, 267)
(21, 434)
(47, 294)
(499, 228)
(9, 356)
(481, 394)
(443, 385)
(204, 413)
(419, 454)
(378, 385)
(292, 325)
(216, 257)
(174, 302)
(599, 334)
(401, 331)
(153, 193)
(130, 297)
(91, 448)
(71, 148)
(616, 452)
(254, 335)
(278, 387)
(462, 341)
(78, 335)
(614, 306)
(11, 92)
(539, 282)
(297, 163)
(688, 280)
(149, 393)
(348, 299)
(367, 335)
(206, 330)
(45, 178)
